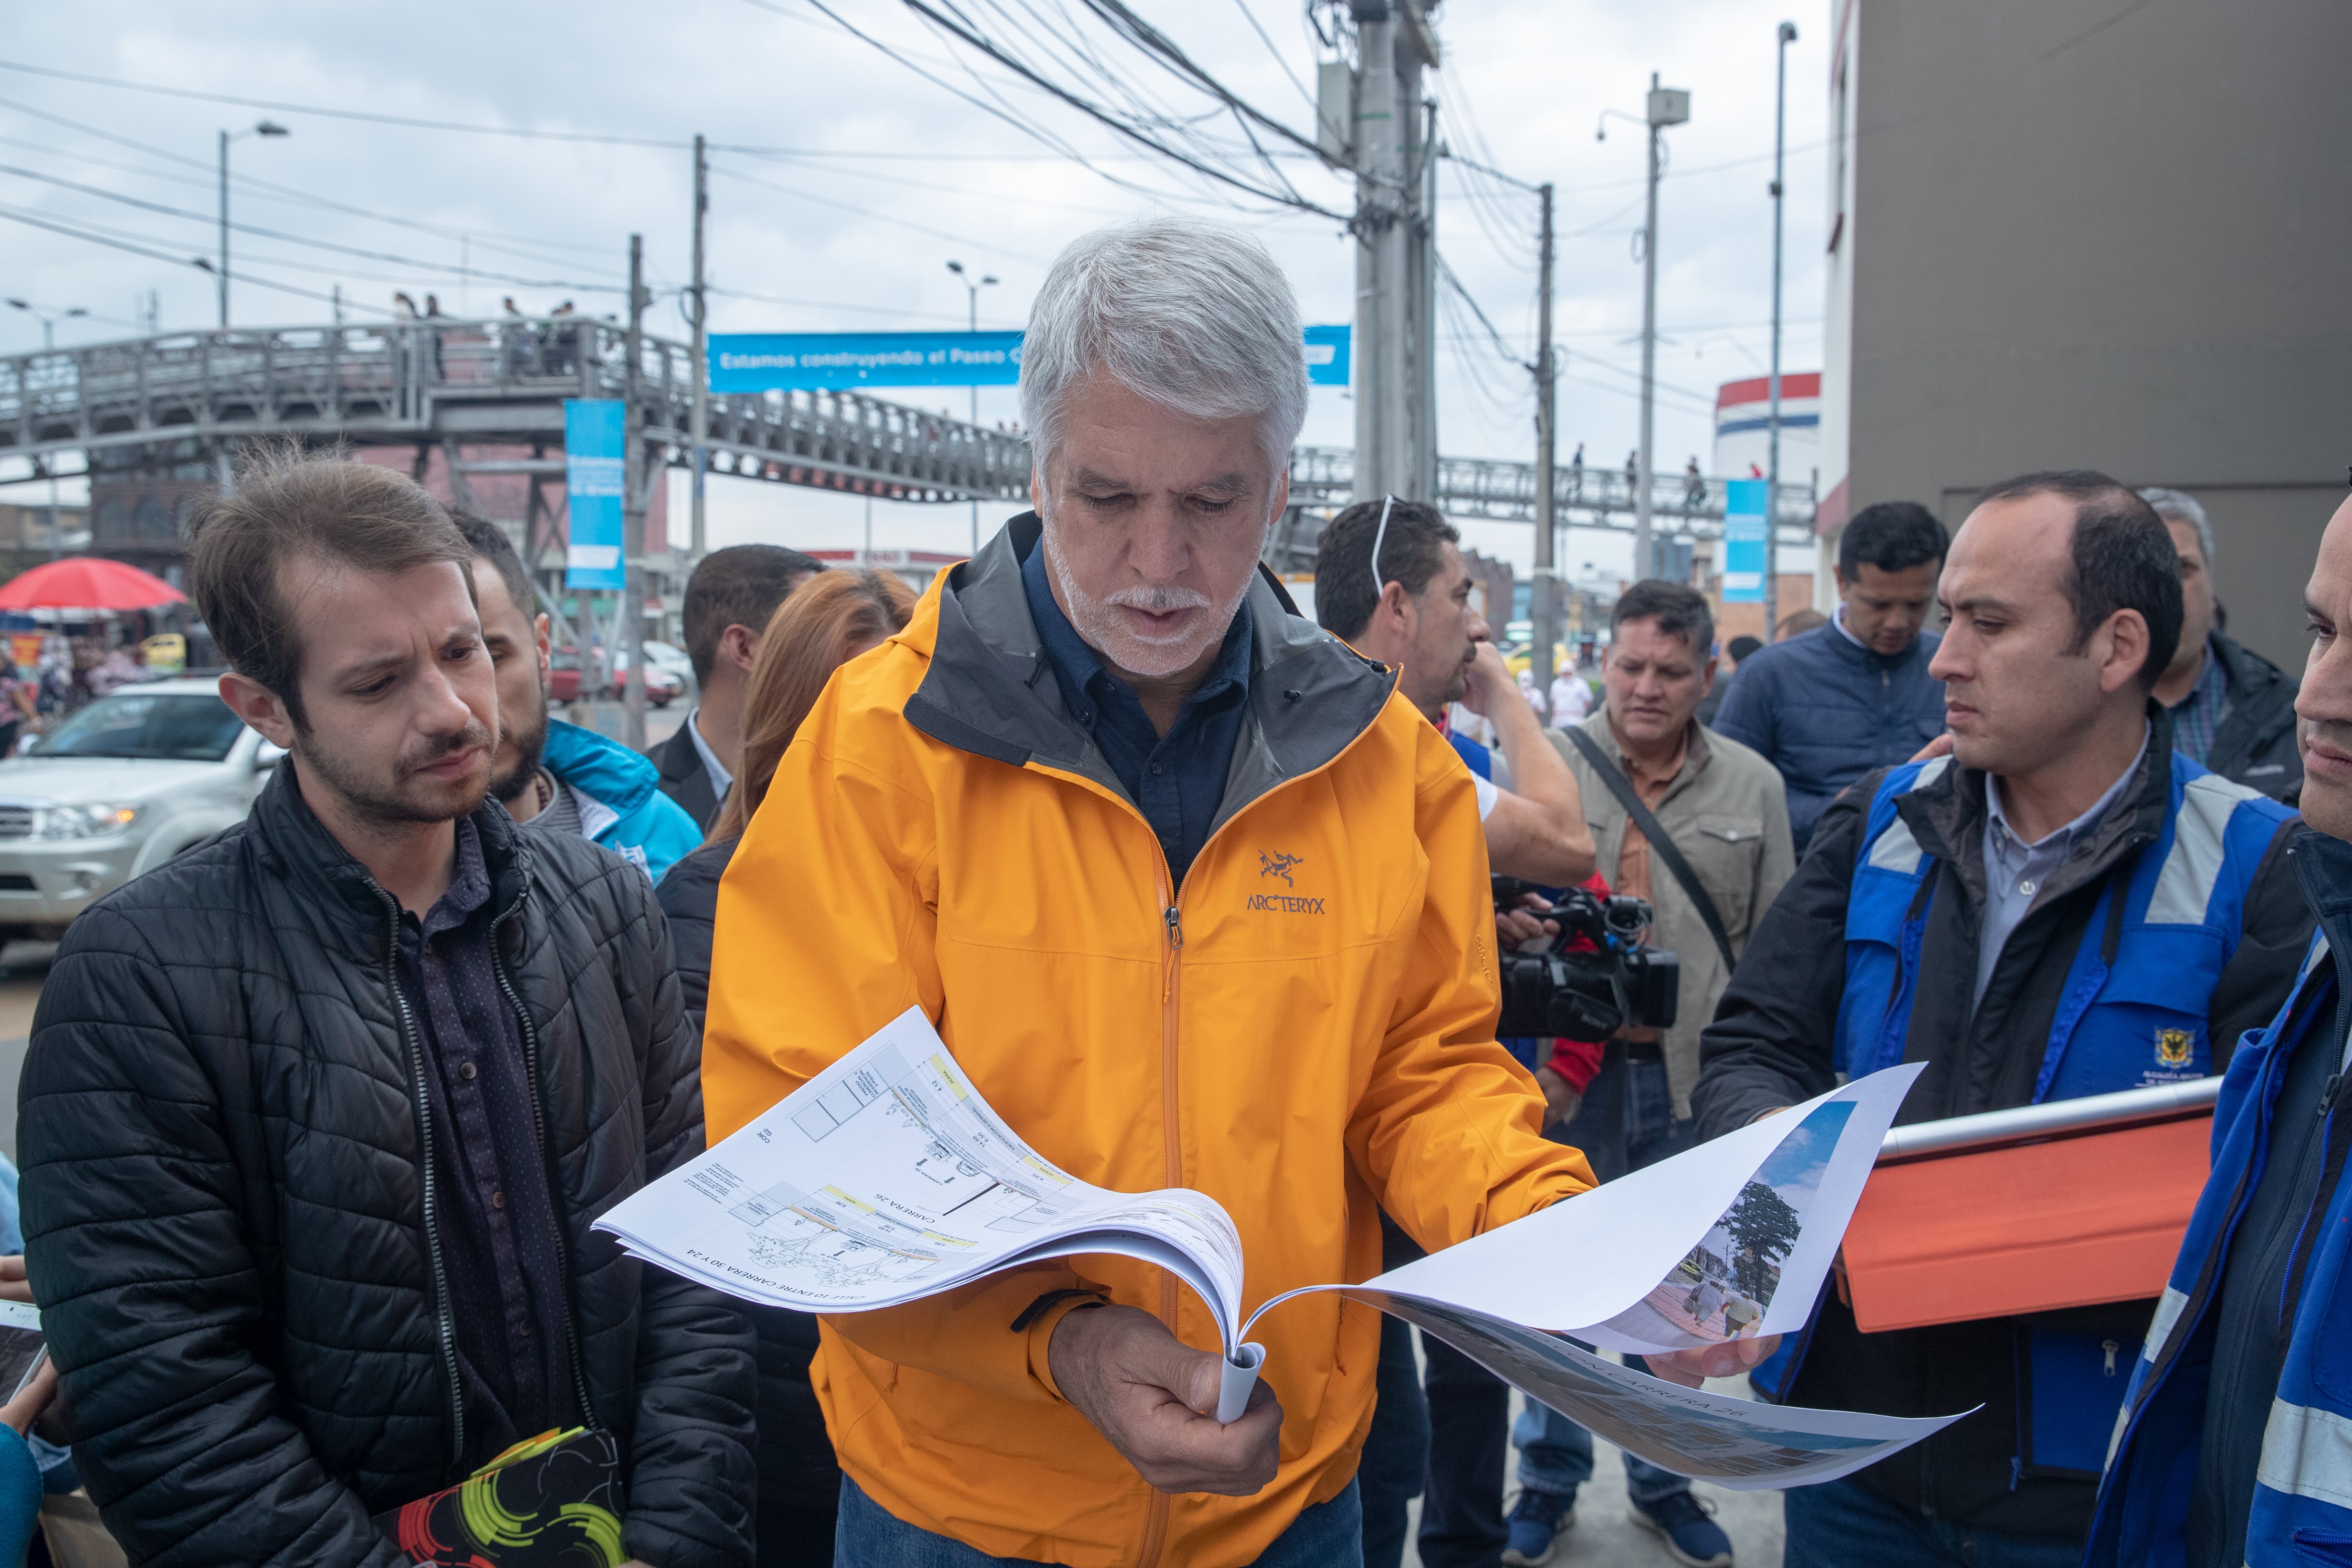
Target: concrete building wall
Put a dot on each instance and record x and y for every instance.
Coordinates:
(2095, 234)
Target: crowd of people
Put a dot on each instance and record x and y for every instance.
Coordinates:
(317, 1118)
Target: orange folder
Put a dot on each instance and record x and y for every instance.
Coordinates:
(2068, 1221)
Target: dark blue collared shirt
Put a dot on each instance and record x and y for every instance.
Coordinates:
(496, 1214)
(1176, 780)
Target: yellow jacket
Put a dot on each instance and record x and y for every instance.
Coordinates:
(1305, 1031)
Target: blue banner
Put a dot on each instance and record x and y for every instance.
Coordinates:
(819, 361)
(1326, 355)
(596, 467)
(1743, 540)
(776, 361)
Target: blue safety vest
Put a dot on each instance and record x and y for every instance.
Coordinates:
(2133, 1014)
(2302, 1488)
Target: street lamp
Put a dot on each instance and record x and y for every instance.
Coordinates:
(49, 320)
(972, 290)
(260, 128)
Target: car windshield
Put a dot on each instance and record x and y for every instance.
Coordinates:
(188, 727)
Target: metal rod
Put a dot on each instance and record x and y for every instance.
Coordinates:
(1646, 464)
(1542, 607)
(2094, 1111)
(696, 537)
(1788, 34)
(631, 633)
(223, 279)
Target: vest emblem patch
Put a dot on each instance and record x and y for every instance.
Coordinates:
(2172, 1048)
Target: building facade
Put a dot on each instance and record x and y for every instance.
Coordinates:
(2086, 234)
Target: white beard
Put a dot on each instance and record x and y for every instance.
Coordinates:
(1107, 635)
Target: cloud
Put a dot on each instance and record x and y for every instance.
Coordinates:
(1524, 82)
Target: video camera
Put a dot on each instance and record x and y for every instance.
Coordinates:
(1586, 996)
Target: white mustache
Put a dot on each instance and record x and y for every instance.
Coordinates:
(1159, 601)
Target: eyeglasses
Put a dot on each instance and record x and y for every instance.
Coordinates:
(1379, 584)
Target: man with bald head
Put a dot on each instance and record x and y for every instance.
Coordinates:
(2232, 1449)
(2060, 906)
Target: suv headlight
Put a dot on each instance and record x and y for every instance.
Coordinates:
(82, 821)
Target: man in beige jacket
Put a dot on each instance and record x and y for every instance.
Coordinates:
(1723, 807)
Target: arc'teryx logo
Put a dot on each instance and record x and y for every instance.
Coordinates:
(1282, 866)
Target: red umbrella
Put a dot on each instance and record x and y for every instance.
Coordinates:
(87, 582)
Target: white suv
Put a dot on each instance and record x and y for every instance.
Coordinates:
(118, 788)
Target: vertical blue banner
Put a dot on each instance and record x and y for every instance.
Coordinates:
(1328, 352)
(595, 464)
(1743, 540)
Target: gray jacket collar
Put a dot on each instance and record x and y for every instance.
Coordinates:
(1947, 816)
(991, 691)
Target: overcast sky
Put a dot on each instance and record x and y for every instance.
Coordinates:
(879, 176)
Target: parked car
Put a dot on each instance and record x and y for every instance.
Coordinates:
(672, 657)
(115, 789)
(568, 671)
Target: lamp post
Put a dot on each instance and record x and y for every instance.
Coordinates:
(260, 128)
(1772, 462)
(49, 320)
(972, 290)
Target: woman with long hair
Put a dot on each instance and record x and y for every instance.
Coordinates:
(829, 620)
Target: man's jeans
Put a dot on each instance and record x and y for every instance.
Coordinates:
(1841, 1524)
(1328, 1535)
(1396, 1449)
(1627, 1122)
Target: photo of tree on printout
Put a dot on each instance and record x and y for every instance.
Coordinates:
(1721, 1288)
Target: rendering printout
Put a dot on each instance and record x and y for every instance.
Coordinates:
(888, 1178)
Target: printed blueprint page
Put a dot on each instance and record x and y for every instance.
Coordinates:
(886, 1178)
(1733, 1443)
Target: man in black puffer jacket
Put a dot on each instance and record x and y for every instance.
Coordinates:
(317, 1118)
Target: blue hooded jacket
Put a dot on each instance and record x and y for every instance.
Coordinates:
(622, 806)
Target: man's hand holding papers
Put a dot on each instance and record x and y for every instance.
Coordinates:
(1154, 1398)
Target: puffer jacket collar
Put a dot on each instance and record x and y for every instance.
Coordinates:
(990, 690)
(293, 843)
(1947, 815)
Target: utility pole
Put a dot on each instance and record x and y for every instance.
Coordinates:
(1667, 106)
(697, 539)
(1392, 332)
(1543, 606)
(634, 487)
(1788, 35)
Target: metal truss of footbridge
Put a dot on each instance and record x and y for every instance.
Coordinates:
(460, 385)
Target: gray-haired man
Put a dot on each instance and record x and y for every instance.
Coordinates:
(1197, 901)
(2232, 709)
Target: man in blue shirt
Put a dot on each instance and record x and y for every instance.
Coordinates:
(1831, 704)
(1175, 771)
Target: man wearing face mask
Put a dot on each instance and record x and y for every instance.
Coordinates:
(1195, 901)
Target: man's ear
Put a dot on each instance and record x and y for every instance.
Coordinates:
(2126, 648)
(539, 631)
(738, 645)
(259, 707)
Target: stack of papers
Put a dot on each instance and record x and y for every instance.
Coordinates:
(888, 1178)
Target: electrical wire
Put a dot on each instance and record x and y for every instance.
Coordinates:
(964, 239)
(1259, 29)
(97, 235)
(437, 268)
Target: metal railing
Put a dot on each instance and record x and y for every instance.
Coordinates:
(1504, 490)
(479, 382)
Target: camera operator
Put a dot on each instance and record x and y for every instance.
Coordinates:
(1697, 825)
(1390, 581)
